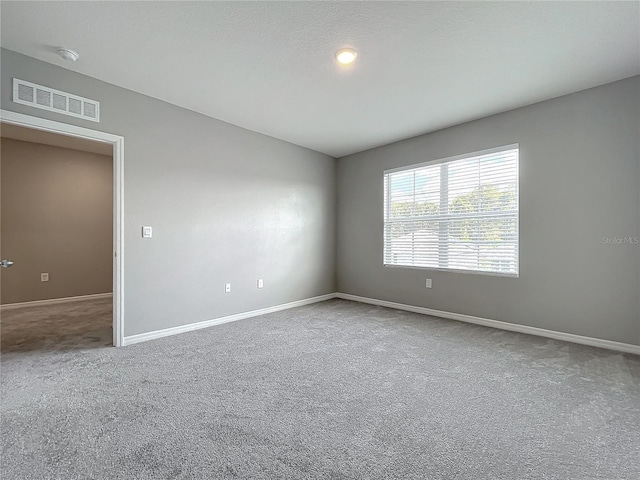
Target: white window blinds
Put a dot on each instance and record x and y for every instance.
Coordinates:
(454, 214)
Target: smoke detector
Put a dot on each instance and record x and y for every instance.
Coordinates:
(68, 55)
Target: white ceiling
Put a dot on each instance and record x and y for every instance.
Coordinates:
(268, 66)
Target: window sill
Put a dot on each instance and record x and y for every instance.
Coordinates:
(453, 270)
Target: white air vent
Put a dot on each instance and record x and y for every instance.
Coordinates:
(55, 101)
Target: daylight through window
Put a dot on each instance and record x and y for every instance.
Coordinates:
(454, 214)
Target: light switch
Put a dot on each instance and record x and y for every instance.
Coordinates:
(147, 232)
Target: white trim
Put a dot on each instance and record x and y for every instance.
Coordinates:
(541, 332)
(117, 141)
(53, 301)
(143, 337)
(455, 270)
(463, 156)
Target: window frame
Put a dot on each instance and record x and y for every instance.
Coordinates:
(464, 156)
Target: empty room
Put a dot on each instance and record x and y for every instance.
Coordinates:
(309, 240)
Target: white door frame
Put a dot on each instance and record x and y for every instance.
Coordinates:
(117, 141)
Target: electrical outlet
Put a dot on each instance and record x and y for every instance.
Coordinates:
(44, 277)
(260, 283)
(227, 288)
(428, 283)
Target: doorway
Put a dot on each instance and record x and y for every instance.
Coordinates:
(61, 135)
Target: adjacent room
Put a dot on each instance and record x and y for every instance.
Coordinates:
(57, 222)
(308, 240)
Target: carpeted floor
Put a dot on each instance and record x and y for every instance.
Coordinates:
(335, 390)
(59, 327)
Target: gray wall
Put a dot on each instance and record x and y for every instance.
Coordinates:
(579, 182)
(226, 205)
(57, 217)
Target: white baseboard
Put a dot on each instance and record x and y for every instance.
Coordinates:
(541, 332)
(53, 301)
(143, 337)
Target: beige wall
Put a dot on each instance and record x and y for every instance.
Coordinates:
(56, 218)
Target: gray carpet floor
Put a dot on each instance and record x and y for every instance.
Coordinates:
(58, 327)
(334, 390)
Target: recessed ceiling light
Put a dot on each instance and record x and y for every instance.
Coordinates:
(345, 56)
(67, 54)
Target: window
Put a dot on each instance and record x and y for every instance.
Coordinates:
(459, 213)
